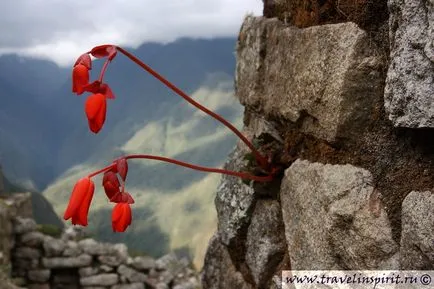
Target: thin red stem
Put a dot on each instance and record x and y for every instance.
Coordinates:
(103, 70)
(191, 166)
(101, 171)
(262, 161)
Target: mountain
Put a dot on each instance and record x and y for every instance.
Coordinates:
(43, 211)
(174, 206)
(46, 143)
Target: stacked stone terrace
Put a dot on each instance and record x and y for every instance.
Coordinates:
(40, 261)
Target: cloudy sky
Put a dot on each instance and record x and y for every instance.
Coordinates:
(62, 29)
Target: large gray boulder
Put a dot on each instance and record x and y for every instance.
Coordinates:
(417, 242)
(219, 271)
(327, 78)
(409, 88)
(334, 219)
(265, 244)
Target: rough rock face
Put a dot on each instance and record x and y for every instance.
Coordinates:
(356, 190)
(219, 271)
(249, 245)
(12, 209)
(410, 79)
(331, 71)
(305, 13)
(265, 246)
(353, 230)
(6, 235)
(417, 243)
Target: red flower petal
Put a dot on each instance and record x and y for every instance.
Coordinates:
(100, 117)
(121, 217)
(117, 198)
(106, 90)
(94, 87)
(80, 78)
(104, 51)
(98, 87)
(127, 198)
(85, 60)
(122, 197)
(94, 104)
(122, 167)
(80, 218)
(111, 184)
(78, 195)
(96, 108)
(117, 213)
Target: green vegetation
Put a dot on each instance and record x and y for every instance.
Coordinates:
(50, 230)
(174, 206)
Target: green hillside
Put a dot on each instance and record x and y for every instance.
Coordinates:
(174, 206)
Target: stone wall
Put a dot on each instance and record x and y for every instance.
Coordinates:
(38, 257)
(338, 109)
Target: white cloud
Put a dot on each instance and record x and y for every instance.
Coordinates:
(62, 29)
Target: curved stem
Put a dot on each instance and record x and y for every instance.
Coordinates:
(262, 161)
(104, 68)
(191, 166)
(101, 171)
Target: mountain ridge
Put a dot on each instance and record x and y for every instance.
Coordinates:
(145, 117)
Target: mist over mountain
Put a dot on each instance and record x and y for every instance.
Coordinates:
(45, 143)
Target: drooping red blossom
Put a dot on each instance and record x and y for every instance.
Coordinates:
(106, 90)
(85, 60)
(80, 78)
(96, 108)
(122, 168)
(111, 184)
(114, 187)
(121, 217)
(79, 202)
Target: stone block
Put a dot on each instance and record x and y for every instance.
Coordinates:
(417, 235)
(325, 78)
(334, 219)
(410, 78)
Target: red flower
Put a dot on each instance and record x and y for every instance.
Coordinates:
(122, 197)
(80, 78)
(122, 168)
(111, 184)
(85, 60)
(96, 108)
(121, 217)
(79, 202)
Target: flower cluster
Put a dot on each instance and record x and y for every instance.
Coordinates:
(115, 174)
(96, 104)
(82, 194)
